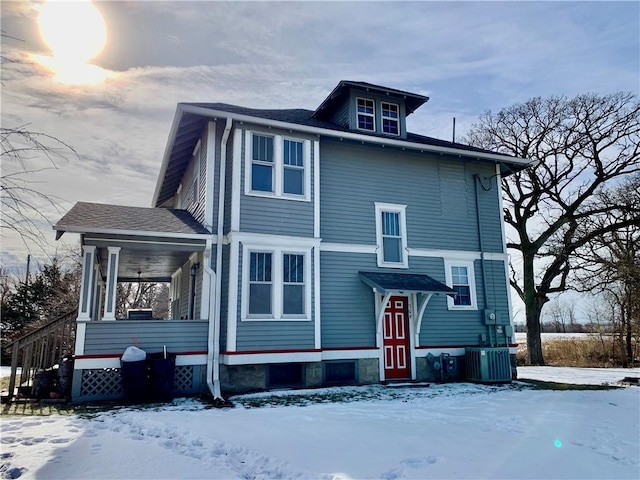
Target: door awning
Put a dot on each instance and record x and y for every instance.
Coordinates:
(385, 282)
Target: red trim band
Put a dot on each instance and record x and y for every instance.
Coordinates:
(118, 355)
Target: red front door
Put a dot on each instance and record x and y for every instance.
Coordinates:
(396, 339)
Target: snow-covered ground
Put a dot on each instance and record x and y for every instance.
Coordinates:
(441, 431)
(521, 337)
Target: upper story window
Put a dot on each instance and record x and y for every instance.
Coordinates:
(366, 114)
(293, 167)
(277, 166)
(390, 118)
(293, 284)
(391, 232)
(262, 164)
(460, 277)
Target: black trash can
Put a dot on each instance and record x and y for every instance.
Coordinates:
(135, 381)
(162, 374)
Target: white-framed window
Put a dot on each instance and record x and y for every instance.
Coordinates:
(175, 291)
(390, 118)
(391, 233)
(460, 276)
(260, 283)
(262, 165)
(277, 284)
(277, 166)
(365, 114)
(293, 167)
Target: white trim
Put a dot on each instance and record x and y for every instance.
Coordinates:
(448, 263)
(112, 283)
(316, 188)
(401, 211)
(152, 242)
(347, 248)
(232, 305)
(114, 362)
(455, 254)
(316, 298)
(236, 176)
(205, 286)
(277, 165)
(421, 307)
(139, 233)
(264, 239)
(88, 279)
(350, 354)
(210, 176)
(261, 358)
(81, 332)
(411, 308)
(277, 282)
(412, 252)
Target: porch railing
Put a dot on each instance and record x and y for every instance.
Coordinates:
(42, 349)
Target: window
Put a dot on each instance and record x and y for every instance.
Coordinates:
(285, 375)
(293, 164)
(366, 114)
(460, 277)
(276, 283)
(293, 284)
(276, 166)
(390, 118)
(260, 284)
(391, 235)
(262, 164)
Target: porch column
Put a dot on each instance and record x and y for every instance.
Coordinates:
(113, 258)
(86, 286)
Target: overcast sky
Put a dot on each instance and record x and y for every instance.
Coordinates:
(468, 57)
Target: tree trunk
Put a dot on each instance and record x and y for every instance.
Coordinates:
(533, 307)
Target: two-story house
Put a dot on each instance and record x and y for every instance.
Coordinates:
(303, 248)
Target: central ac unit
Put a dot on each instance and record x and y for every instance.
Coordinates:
(488, 365)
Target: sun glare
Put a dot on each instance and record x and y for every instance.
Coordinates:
(75, 32)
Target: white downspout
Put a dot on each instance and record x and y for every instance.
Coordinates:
(213, 350)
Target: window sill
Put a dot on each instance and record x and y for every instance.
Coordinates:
(284, 196)
(272, 319)
(393, 265)
(462, 307)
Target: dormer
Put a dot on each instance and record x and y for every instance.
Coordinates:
(372, 109)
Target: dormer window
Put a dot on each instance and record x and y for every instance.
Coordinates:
(366, 114)
(390, 118)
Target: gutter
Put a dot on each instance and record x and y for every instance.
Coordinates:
(213, 349)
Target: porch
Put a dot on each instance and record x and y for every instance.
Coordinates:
(131, 245)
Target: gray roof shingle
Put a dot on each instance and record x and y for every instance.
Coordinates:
(404, 282)
(98, 216)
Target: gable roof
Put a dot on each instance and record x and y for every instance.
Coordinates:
(412, 101)
(87, 217)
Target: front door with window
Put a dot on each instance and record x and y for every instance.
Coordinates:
(396, 339)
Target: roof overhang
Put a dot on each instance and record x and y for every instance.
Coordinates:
(404, 283)
(184, 136)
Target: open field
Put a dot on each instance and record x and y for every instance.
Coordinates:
(575, 350)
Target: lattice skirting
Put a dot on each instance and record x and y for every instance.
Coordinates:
(106, 383)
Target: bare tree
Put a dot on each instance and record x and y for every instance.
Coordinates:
(581, 145)
(23, 204)
(611, 263)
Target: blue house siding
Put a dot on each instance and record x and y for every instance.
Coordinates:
(354, 176)
(278, 216)
(254, 335)
(152, 335)
(346, 304)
